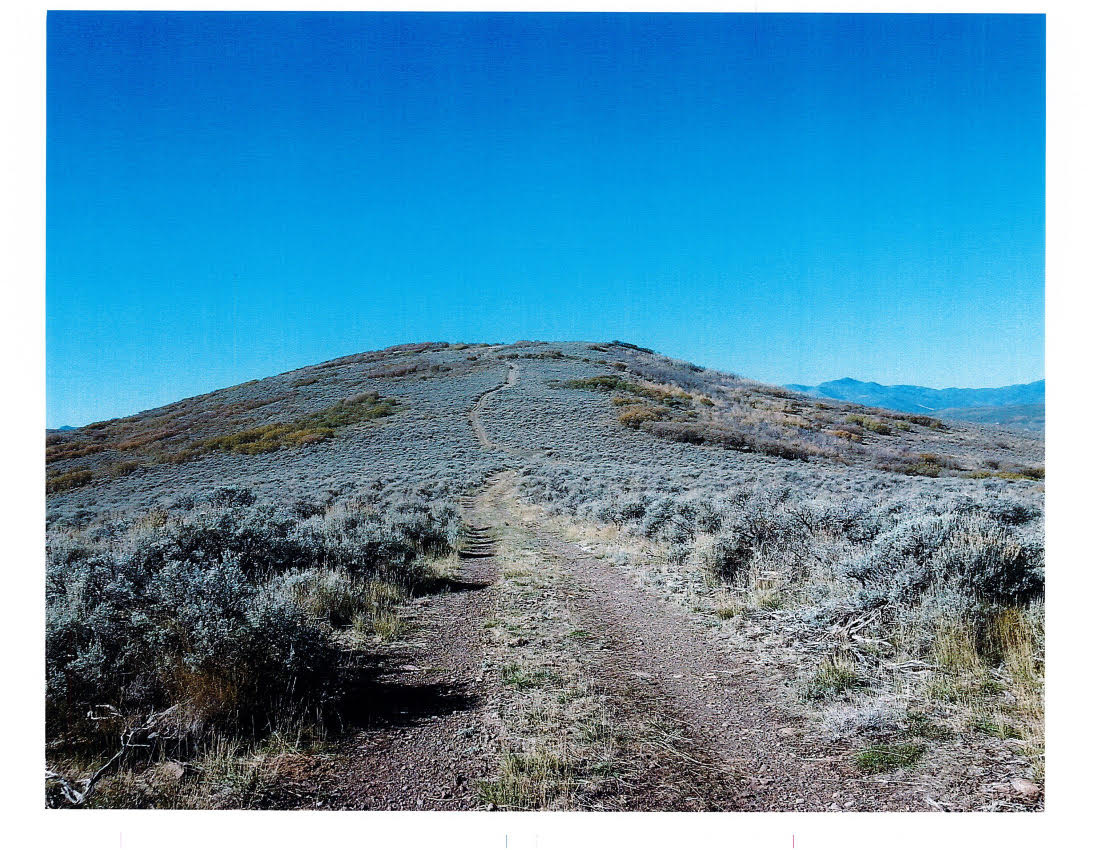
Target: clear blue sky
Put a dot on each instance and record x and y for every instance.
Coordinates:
(794, 198)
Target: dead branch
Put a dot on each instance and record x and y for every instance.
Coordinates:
(140, 737)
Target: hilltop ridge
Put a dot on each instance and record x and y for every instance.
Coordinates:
(622, 392)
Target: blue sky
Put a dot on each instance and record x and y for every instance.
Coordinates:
(793, 198)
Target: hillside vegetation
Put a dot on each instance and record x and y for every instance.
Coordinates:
(219, 570)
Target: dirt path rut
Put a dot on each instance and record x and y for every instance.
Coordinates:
(699, 727)
(711, 730)
(428, 730)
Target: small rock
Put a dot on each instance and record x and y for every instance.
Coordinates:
(1026, 788)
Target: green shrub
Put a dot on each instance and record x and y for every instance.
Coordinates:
(926, 421)
(873, 425)
(631, 346)
(613, 383)
(836, 675)
(605, 383)
(1025, 474)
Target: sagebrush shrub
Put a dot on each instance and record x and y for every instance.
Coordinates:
(984, 556)
(228, 610)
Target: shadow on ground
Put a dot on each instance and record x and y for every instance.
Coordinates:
(372, 699)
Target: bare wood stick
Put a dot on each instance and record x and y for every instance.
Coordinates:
(77, 796)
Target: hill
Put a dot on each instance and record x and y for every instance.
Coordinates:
(1023, 417)
(420, 393)
(513, 576)
(914, 399)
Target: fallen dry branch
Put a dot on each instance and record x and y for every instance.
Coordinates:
(76, 794)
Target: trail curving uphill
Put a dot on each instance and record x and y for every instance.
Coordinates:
(479, 408)
(698, 725)
(725, 743)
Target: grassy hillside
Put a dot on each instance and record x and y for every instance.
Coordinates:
(1024, 417)
(227, 556)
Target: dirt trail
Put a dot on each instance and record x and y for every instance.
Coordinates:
(479, 408)
(707, 726)
(426, 728)
(428, 736)
(733, 746)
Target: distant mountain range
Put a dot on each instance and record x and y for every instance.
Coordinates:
(1015, 406)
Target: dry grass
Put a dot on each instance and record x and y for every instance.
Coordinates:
(559, 742)
(539, 780)
(226, 772)
(342, 600)
(68, 480)
(386, 626)
(954, 648)
(992, 672)
(309, 429)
